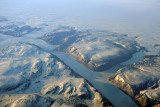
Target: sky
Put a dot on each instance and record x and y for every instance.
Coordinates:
(105, 10)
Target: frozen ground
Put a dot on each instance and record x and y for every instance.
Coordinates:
(137, 18)
(99, 81)
(14, 51)
(85, 41)
(141, 80)
(30, 76)
(97, 50)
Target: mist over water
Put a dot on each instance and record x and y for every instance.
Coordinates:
(135, 17)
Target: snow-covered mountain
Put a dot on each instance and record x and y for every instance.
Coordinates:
(98, 50)
(3, 19)
(16, 29)
(31, 77)
(141, 80)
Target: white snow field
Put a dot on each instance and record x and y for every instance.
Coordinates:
(97, 50)
(30, 76)
(116, 96)
(111, 92)
(35, 66)
(141, 80)
(85, 36)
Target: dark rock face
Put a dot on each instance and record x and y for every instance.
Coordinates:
(80, 105)
(33, 77)
(57, 37)
(3, 19)
(102, 54)
(98, 50)
(62, 37)
(141, 80)
(17, 31)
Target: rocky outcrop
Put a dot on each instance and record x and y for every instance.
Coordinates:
(3, 19)
(62, 37)
(98, 50)
(31, 77)
(25, 100)
(141, 80)
(16, 30)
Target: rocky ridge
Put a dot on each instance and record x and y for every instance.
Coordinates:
(33, 77)
(16, 30)
(141, 81)
(98, 50)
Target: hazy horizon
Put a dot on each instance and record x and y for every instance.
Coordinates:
(136, 18)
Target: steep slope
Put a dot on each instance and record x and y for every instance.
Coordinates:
(16, 29)
(98, 50)
(3, 19)
(102, 50)
(30, 76)
(141, 80)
